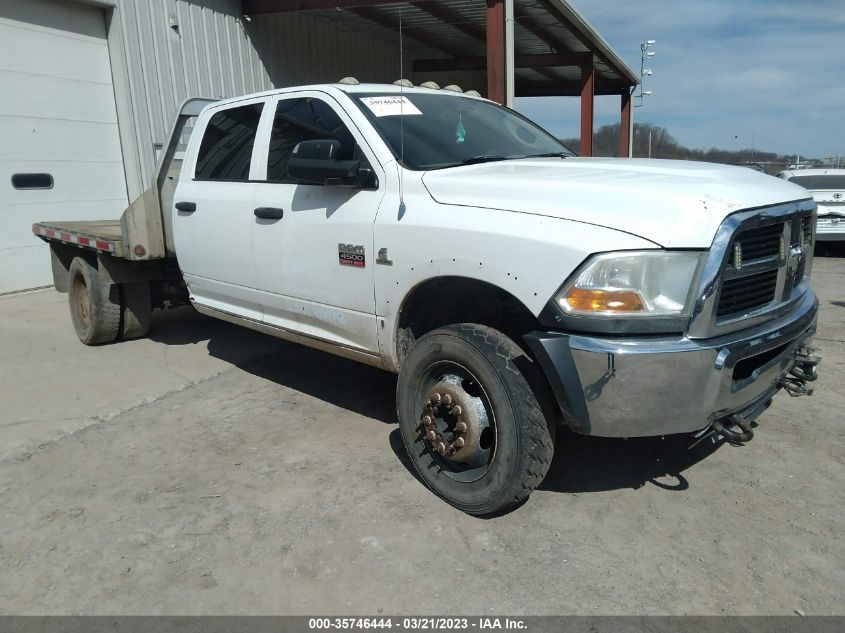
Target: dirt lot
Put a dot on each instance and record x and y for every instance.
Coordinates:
(213, 470)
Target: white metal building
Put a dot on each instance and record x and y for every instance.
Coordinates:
(88, 88)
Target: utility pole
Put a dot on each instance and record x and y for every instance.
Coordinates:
(645, 54)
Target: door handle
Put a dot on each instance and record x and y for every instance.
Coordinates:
(187, 207)
(269, 213)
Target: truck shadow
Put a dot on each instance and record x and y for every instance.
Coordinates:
(581, 464)
(596, 464)
(344, 383)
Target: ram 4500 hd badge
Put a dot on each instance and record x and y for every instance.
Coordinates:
(351, 255)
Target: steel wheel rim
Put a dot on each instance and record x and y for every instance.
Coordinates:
(440, 428)
(82, 302)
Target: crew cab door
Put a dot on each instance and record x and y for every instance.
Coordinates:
(304, 282)
(213, 210)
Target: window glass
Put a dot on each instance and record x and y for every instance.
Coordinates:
(302, 120)
(226, 149)
(431, 131)
(821, 181)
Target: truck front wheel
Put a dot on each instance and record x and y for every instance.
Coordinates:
(94, 304)
(470, 420)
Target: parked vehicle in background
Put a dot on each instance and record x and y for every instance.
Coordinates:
(828, 189)
(511, 286)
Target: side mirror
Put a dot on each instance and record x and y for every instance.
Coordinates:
(314, 162)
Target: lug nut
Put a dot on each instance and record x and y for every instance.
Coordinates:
(447, 399)
(431, 435)
(441, 448)
(456, 410)
(435, 397)
(459, 442)
(426, 420)
(460, 427)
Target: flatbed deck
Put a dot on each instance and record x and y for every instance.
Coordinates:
(99, 235)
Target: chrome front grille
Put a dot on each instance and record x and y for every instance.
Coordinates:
(758, 266)
(803, 236)
(759, 242)
(747, 293)
(751, 271)
(764, 263)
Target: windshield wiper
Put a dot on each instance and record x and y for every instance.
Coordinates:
(484, 158)
(548, 155)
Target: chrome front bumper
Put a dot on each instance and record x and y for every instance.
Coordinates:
(640, 386)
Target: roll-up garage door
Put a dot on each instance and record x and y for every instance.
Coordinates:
(60, 155)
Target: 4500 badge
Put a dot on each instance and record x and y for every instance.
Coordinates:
(351, 255)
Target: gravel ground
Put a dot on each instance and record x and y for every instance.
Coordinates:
(271, 481)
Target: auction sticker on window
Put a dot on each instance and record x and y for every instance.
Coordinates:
(390, 106)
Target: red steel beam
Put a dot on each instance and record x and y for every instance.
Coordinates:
(496, 89)
(588, 86)
(625, 123)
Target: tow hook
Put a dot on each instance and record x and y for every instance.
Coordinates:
(803, 372)
(735, 429)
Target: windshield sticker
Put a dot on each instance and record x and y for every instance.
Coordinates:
(390, 106)
(460, 131)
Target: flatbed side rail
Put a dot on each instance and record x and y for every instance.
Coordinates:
(88, 240)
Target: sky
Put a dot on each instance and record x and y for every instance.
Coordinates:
(733, 74)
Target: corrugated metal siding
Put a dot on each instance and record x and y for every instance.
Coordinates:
(323, 46)
(215, 53)
(301, 48)
(210, 54)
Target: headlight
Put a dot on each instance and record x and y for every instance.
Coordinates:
(633, 284)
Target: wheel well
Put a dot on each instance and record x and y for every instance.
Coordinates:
(447, 300)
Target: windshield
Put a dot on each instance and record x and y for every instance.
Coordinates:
(820, 181)
(444, 130)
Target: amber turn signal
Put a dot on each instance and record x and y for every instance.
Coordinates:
(586, 300)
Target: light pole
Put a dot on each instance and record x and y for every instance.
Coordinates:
(645, 54)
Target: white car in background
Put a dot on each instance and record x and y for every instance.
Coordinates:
(828, 189)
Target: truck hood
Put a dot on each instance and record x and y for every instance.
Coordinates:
(676, 204)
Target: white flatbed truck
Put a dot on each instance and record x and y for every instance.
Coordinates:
(512, 286)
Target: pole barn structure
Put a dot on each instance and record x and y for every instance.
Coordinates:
(505, 48)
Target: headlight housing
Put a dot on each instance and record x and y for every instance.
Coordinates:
(633, 284)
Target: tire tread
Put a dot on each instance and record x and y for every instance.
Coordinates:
(536, 451)
(105, 311)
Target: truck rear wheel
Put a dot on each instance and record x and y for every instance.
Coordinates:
(94, 304)
(136, 305)
(470, 421)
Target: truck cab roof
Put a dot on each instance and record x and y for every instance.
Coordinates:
(363, 88)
